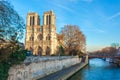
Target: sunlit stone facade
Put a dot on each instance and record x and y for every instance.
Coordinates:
(41, 39)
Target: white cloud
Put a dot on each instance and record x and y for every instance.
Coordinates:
(100, 30)
(96, 30)
(64, 7)
(67, 8)
(73, 0)
(88, 1)
(114, 16)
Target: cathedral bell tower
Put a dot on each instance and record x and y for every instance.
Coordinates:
(49, 18)
(49, 29)
(33, 21)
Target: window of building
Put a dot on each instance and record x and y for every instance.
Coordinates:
(40, 37)
(31, 38)
(38, 20)
(49, 19)
(32, 20)
(48, 37)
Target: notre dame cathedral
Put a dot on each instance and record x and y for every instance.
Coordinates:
(41, 39)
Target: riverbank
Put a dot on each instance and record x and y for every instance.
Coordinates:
(65, 73)
(113, 60)
(116, 61)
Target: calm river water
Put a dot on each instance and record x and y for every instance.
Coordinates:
(98, 70)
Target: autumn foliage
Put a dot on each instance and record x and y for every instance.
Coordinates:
(74, 40)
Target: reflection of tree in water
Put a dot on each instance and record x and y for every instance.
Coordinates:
(47, 51)
(39, 50)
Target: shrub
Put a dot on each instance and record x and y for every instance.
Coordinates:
(61, 51)
(4, 68)
(15, 58)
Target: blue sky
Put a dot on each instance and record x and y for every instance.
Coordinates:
(99, 20)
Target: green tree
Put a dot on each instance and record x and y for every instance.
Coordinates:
(61, 51)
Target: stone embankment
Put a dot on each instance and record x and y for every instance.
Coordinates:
(65, 73)
(117, 62)
(39, 67)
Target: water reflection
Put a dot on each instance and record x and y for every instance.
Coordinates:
(98, 70)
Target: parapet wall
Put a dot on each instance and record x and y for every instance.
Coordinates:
(37, 67)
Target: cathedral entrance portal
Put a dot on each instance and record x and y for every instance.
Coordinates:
(39, 50)
(48, 50)
(31, 49)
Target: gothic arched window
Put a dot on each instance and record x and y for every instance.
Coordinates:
(48, 37)
(31, 38)
(40, 37)
(32, 19)
(47, 19)
(38, 20)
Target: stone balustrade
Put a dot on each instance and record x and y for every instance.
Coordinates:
(37, 67)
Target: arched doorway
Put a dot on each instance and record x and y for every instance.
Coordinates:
(31, 49)
(39, 50)
(48, 50)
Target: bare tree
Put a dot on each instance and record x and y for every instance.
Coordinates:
(107, 51)
(10, 21)
(60, 38)
(74, 40)
(115, 45)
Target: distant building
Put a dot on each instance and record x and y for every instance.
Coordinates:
(118, 51)
(41, 39)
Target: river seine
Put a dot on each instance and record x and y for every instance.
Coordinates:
(98, 69)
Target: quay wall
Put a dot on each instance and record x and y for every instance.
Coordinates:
(73, 71)
(38, 67)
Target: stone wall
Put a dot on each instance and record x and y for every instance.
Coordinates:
(37, 67)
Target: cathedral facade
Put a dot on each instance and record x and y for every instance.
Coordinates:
(41, 39)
